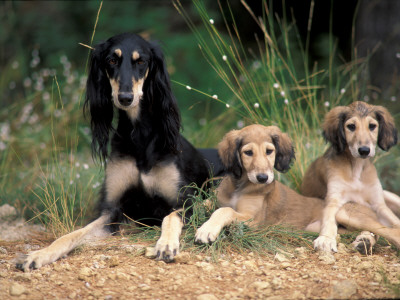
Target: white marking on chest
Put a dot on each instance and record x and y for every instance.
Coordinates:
(120, 175)
(162, 180)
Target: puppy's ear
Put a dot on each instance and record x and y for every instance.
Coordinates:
(283, 148)
(228, 150)
(333, 127)
(98, 104)
(387, 135)
(157, 89)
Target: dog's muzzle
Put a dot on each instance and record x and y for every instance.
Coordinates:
(262, 178)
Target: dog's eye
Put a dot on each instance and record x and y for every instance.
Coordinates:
(140, 62)
(269, 151)
(351, 127)
(112, 61)
(248, 153)
(372, 127)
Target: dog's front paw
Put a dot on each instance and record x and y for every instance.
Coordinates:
(34, 260)
(166, 249)
(364, 242)
(207, 233)
(324, 243)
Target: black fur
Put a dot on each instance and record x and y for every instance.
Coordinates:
(284, 155)
(387, 135)
(151, 138)
(336, 135)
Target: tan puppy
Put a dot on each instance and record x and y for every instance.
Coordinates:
(346, 174)
(249, 191)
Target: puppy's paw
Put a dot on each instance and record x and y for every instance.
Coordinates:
(207, 233)
(324, 243)
(166, 249)
(364, 242)
(31, 261)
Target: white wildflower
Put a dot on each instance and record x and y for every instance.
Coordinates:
(366, 98)
(225, 58)
(215, 96)
(15, 65)
(188, 87)
(211, 21)
(393, 98)
(342, 91)
(326, 103)
(77, 164)
(27, 82)
(78, 176)
(3, 146)
(227, 105)
(256, 105)
(276, 85)
(240, 124)
(308, 145)
(85, 166)
(398, 55)
(282, 93)
(286, 101)
(71, 182)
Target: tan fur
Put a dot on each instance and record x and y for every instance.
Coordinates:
(244, 199)
(118, 52)
(120, 175)
(342, 175)
(135, 55)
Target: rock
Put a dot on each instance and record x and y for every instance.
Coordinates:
(84, 273)
(285, 265)
(113, 262)
(276, 283)
(182, 258)
(7, 211)
(326, 257)
(280, 257)
(260, 285)
(342, 248)
(150, 252)
(17, 290)
(343, 289)
(3, 250)
(365, 265)
(205, 266)
(206, 297)
(250, 264)
(301, 252)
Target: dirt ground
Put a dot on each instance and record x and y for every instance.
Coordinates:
(118, 269)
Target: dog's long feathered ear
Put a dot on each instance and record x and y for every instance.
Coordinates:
(98, 104)
(333, 128)
(283, 148)
(387, 135)
(228, 150)
(162, 101)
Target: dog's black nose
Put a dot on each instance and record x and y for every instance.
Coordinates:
(125, 99)
(262, 178)
(363, 151)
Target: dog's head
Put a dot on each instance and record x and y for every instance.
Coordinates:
(360, 127)
(254, 151)
(129, 73)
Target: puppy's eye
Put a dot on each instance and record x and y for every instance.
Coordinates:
(248, 153)
(112, 61)
(140, 62)
(372, 127)
(351, 127)
(269, 151)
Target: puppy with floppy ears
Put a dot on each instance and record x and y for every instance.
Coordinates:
(346, 174)
(249, 191)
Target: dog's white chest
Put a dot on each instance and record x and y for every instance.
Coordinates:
(162, 180)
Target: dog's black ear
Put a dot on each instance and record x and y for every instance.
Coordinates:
(387, 135)
(333, 128)
(284, 150)
(98, 103)
(228, 150)
(157, 90)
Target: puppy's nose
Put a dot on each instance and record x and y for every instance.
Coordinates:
(125, 99)
(262, 178)
(363, 151)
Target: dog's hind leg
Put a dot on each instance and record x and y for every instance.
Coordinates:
(167, 246)
(63, 245)
(357, 216)
(392, 201)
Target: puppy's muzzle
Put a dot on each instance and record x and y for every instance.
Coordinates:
(125, 99)
(262, 178)
(364, 151)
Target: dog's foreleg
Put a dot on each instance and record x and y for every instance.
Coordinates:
(357, 216)
(63, 245)
(167, 246)
(326, 240)
(222, 217)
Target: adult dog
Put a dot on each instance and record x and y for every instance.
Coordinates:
(346, 174)
(150, 164)
(249, 192)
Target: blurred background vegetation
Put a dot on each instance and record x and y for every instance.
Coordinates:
(45, 161)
